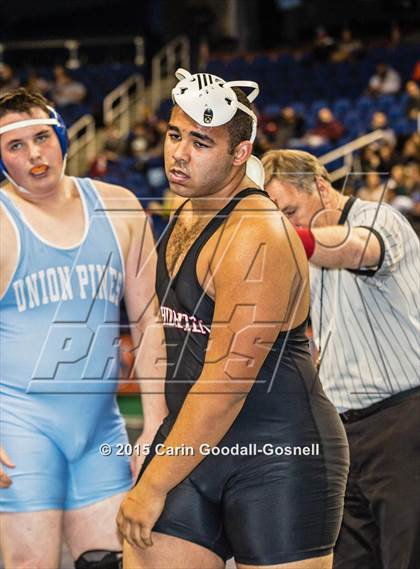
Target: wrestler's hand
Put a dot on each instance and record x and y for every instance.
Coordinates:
(5, 481)
(138, 514)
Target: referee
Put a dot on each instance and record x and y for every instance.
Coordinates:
(365, 314)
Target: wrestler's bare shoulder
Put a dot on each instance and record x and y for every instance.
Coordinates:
(117, 196)
(7, 231)
(9, 245)
(257, 228)
(257, 214)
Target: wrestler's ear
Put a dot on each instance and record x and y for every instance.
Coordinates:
(242, 152)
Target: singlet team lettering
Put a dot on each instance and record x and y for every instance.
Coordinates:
(56, 284)
(173, 319)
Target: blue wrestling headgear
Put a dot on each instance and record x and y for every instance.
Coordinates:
(211, 101)
(60, 130)
(54, 120)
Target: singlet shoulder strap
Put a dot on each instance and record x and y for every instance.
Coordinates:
(10, 207)
(192, 254)
(221, 216)
(4, 199)
(179, 209)
(89, 194)
(216, 222)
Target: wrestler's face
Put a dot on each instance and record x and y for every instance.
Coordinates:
(32, 154)
(197, 158)
(299, 206)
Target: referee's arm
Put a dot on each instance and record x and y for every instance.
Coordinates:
(341, 247)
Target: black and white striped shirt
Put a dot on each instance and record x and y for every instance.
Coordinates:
(369, 329)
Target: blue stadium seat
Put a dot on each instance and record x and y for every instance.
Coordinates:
(127, 162)
(323, 149)
(335, 165)
(137, 183)
(351, 118)
(365, 105)
(405, 127)
(340, 107)
(395, 113)
(272, 110)
(318, 105)
(384, 103)
(299, 108)
(164, 110)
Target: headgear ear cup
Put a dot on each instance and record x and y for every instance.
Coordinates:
(2, 167)
(61, 131)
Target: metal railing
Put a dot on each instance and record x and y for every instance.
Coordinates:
(82, 148)
(124, 104)
(73, 47)
(347, 153)
(164, 64)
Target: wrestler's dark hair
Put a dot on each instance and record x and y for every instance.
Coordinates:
(22, 100)
(240, 126)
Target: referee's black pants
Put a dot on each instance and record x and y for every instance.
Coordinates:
(381, 523)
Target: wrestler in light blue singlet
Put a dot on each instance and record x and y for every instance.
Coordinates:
(59, 331)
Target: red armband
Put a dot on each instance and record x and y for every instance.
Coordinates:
(308, 240)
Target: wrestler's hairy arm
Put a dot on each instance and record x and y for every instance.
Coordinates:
(136, 239)
(254, 277)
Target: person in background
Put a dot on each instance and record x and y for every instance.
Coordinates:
(290, 127)
(385, 81)
(75, 248)
(8, 81)
(66, 90)
(412, 105)
(364, 275)
(327, 128)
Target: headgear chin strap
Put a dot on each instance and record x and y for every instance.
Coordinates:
(57, 123)
(255, 170)
(211, 101)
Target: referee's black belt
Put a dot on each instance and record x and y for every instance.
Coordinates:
(356, 414)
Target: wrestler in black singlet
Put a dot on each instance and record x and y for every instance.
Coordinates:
(261, 509)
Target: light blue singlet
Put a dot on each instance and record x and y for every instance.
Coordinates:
(59, 330)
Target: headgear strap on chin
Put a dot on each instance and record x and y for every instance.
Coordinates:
(211, 101)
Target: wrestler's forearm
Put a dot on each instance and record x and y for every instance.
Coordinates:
(150, 370)
(203, 420)
(341, 247)
(144, 315)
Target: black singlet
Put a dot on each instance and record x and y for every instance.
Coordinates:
(261, 508)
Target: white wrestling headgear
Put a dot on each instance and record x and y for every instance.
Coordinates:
(211, 101)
